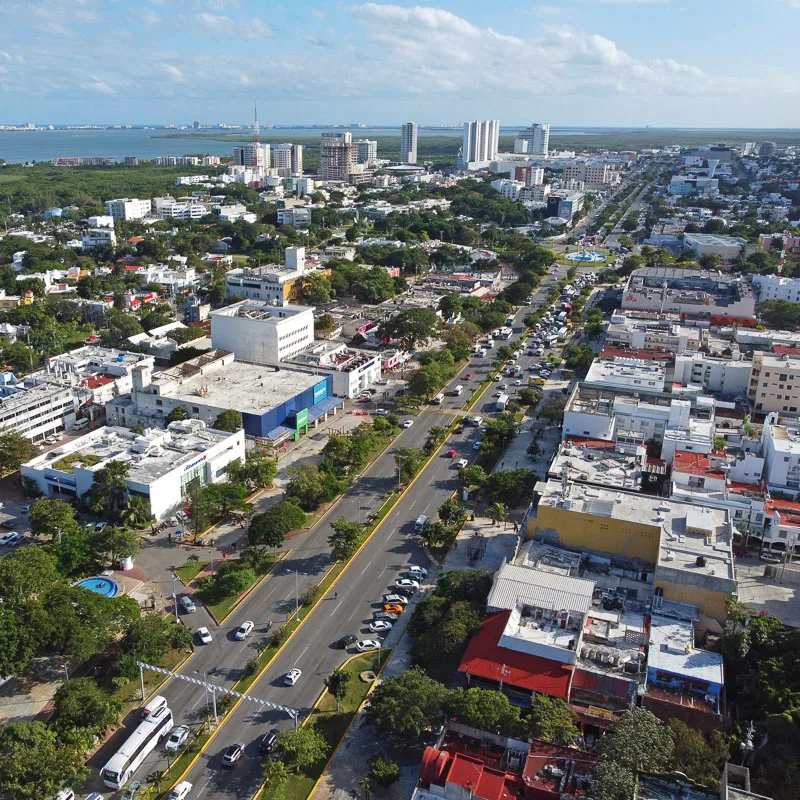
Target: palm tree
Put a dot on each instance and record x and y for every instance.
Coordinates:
(366, 784)
(498, 513)
(136, 511)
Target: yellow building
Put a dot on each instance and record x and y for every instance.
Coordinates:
(684, 548)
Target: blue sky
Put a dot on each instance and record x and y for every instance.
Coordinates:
(703, 63)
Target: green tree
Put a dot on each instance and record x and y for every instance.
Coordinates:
(312, 486)
(458, 340)
(441, 646)
(409, 461)
(15, 449)
(81, 704)
(486, 709)
(345, 539)
(552, 719)
(473, 475)
(136, 510)
(510, 487)
(699, 758)
(302, 748)
(36, 763)
(271, 527)
(114, 544)
(452, 513)
(411, 328)
(383, 771)
(336, 684)
(26, 573)
(317, 289)
(258, 472)
(223, 498)
(497, 512)
(275, 777)
(613, 782)
(176, 415)
(638, 740)
(17, 642)
(402, 707)
(109, 489)
(450, 304)
(147, 638)
(579, 357)
(53, 518)
(229, 420)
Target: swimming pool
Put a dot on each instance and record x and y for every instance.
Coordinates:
(585, 256)
(104, 586)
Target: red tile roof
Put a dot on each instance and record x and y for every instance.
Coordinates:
(612, 351)
(469, 772)
(695, 464)
(783, 350)
(789, 511)
(590, 444)
(484, 659)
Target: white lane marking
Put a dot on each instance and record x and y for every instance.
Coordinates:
(369, 564)
(336, 607)
(211, 778)
(302, 654)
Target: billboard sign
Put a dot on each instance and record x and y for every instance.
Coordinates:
(320, 391)
(302, 419)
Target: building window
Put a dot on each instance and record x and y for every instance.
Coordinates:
(159, 402)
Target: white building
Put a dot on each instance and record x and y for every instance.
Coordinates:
(298, 217)
(235, 213)
(352, 370)
(261, 333)
(534, 141)
(595, 173)
(480, 143)
(253, 154)
(646, 333)
(271, 283)
(408, 143)
(535, 194)
(128, 208)
(338, 156)
(367, 151)
(628, 373)
(776, 287)
(36, 411)
(726, 247)
(168, 207)
(781, 447)
(99, 237)
(509, 189)
(100, 221)
(727, 376)
(161, 463)
(287, 159)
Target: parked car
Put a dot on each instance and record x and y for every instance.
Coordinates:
(292, 676)
(245, 629)
(232, 754)
(203, 635)
(379, 626)
(450, 454)
(7, 537)
(393, 608)
(406, 583)
(346, 641)
(385, 615)
(405, 590)
(461, 463)
(395, 598)
(408, 423)
(419, 570)
(381, 412)
(366, 645)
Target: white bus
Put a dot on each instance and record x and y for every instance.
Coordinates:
(119, 770)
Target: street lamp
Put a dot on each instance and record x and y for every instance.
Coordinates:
(66, 671)
(175, 596)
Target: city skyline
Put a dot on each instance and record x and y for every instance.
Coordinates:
(610, 63)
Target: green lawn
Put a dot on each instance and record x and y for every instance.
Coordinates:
(190, 570)
(222, 608)
(333, 723)
(129, 693)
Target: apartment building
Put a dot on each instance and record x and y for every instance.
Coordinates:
(280, 285)
(775, 383)
(299, 217)
(338, 156)
(98, 237)
(509, 189)
(724, 376)
(409, 133)
(37, 410)
(643, 332)
(781, 447)
(594, 173)
(367, 151)
(776, 287)
(479, 144)
(534, 141)
(529, 175)
(255, 155)
(127, 208)
(287, 159)
(168, 207)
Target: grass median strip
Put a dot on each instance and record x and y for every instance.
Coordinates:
(188, 571)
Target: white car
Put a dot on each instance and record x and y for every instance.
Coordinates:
(181, 791)
(292, 676)
(477, 445)
(177, 738)
(517, 383)
(406, 583)
(400, 599)
(381, 412)
(419, 570)
(365, 645)
(461, 463)
(380, 626)
(7, 537)
(408, 423)
(204, 635)
(245, 629)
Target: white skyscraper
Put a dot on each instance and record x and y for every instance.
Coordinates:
(480, 141)
(408, 143)
(288, 159)
(534, 141)
(367, 151)
(253, 154)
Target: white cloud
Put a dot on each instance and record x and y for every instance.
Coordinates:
(548, 11)
(213, 22)
(14, 59)
(256, 28)
(145, 16)
(98, 86)
(318, 13)
(435, 49)
(172, 72)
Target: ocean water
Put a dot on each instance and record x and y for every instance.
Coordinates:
(19, 146)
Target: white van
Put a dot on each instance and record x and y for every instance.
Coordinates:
(439, 399)
(80, 424)
(153, 706)
(476, 421)
(458, 390)
(421, 523)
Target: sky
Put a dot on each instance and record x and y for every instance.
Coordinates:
(663, 63)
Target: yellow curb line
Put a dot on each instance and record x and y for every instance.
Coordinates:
(302, 621)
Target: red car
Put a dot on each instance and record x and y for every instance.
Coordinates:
(364, 400)
(468, 377)
(451, 453)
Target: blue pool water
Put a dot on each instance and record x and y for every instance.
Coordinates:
(104, 586)
(585, 256)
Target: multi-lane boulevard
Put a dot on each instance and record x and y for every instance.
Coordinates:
(346, 609)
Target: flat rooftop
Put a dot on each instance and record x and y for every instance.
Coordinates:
(150, 455)
(604, 466)
(715, 239)
(523, 625)
(651, 375)
(248, 388)
(672, 650)
(261, 312)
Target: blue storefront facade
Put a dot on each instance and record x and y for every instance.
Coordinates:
(318, 397)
